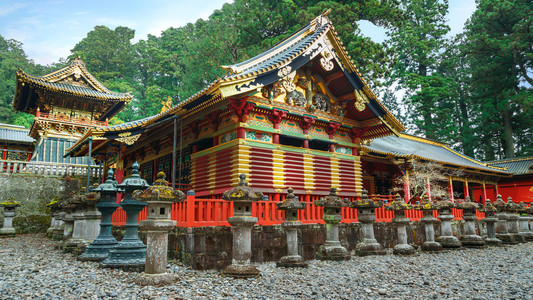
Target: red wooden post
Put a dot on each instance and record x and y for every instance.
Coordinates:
(450, 190)
(190, 202)
(465, 187)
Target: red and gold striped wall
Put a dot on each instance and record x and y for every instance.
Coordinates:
(274, 168)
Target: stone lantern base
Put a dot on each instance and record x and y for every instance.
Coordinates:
(430, 246)
(291, 261)
(473, 241)
(506, 238)
(241, 271)
(331, 250)
(492, 241)
(7, 232)
(156, 279)
(369, 247)
(403, 249)
(449, 242)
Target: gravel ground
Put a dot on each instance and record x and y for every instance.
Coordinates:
(30, 268)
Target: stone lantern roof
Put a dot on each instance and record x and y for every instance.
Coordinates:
(242, 192)
(524, 209)
(426, 204)
(398, 204)
(469, 205)
(444, 202)
(489, 208)
(160, 192)
(511, 206)
(133, 182)
(109, 186)
(291, 202)
(366, 202)
(332, 200)
(499, 204)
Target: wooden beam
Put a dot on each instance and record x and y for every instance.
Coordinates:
(349, 96)
(329, 78)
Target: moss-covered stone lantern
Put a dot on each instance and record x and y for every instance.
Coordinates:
(501, 226)
(241, 223)
(530, 222)
(523, 212)
(512, 220)
(98, 250)
(130, 252)
(490, 219)
(427, 207)
(366, 214)
(159, 198)
(446, 238)
(398, 206)
(332, 248)
(291, 205)
(470, 237)
(9, 212)
(87, 220)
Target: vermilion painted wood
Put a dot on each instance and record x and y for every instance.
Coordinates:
(199, 212)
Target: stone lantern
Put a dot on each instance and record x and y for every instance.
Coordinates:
(159, 199)
(512, 220)
(470, 237)
(130, 252)
(99, 248)
(241, 224)
(366, 214)
(446, 238)
(399, 207)
(86, 222)
(10, 210)
(427, 207)
(291, 205)
(501, 227)
(524, 222)
(490, 219)
(332, 248)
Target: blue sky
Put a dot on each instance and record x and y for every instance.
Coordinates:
(48, 29)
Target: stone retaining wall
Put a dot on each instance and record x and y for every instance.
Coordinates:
(210, 247)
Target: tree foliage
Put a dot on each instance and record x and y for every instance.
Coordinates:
(472, 90)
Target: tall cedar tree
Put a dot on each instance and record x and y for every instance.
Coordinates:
(500, 51)
(417, 42)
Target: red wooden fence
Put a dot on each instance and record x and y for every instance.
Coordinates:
(197, 212)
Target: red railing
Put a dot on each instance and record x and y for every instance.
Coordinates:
(197, 212)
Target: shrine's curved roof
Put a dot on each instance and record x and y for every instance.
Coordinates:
(73, 81)
(13, 133)
(72, 89)
(266, 68)
(517, 165)
(408, 146)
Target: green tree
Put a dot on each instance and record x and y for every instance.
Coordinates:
(417, 42)
(500, 51)
(12, 57)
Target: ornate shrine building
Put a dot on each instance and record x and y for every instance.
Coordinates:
(293, 116)
(297, 115)
(66, 104)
